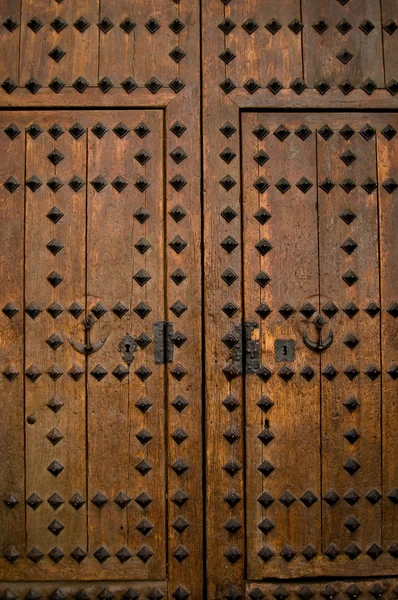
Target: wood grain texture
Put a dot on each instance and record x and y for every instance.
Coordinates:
(10, 12)
(367, 588)
(69, 97)
(12, 517)
(113, 262)
(219, 112)
(188, 573)
(389, 13)
(388, 215)
(41, 351)
(142, 54)
(293, 420)
(321, 50)
(284, 46)
(81, 58)
(337, 420)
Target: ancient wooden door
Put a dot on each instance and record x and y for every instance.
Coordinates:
(198, 300)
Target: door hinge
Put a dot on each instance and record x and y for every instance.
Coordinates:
(164, 348)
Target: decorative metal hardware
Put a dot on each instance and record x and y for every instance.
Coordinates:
(127, 346)
(163, 344)
(87, 348)
(245, 353)
(285, 350)
(320, 345)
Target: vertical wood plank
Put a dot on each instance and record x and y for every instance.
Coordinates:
(389, 13)
(12, 510)
(55, 439)
(282, 415)
(321, 49)
(388, 215)
(224, 487)
(116, 425)
(184, 285)
(10, 31)
(350, 433)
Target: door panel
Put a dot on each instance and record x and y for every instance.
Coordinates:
(93, 462)
(316, 467)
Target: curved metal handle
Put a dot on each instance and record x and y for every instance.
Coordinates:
(87, 348)
(320, 345)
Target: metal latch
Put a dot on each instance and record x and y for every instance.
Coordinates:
(163, 342)
(246, 354)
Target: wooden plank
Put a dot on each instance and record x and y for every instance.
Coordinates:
(221, 130)
(12, 515)
(69, 97)
(143, 588)
(348, 522)
(187, 574)
(321, 49)
(388, 216)
(310, 98)
(288, 412)
(113, 262)
(10, 18)
(142, 54)
(366, 587)
(81, 49)
(54, 436)
(390, 38)
(282, 48)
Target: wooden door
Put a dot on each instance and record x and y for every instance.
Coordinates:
(320, 487)
(198, 299)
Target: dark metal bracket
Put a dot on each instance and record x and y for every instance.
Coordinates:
(246, 353)
(164, 348)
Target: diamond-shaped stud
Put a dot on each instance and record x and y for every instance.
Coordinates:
(10, 24)
(348, 216)
(281, 133)
(55, 468)
(322, 86)
(351, 466)
(273, 26)
(320, 26)
(327, 185)
(105, 84)
(350, 277)
(35, 24)
(326, 132)
(58, 24)
(344, 26)
(99, 183)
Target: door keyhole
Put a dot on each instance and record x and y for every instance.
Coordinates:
(284, 350)
(127, 348)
